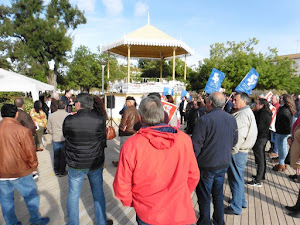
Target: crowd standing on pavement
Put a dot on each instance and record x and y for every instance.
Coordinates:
(159, 165)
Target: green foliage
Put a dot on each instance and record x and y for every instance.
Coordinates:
(9, 97)
(32, 34)
(116, 71)
(236, 59)
(151, 68)
(62, 82)
(85, 70)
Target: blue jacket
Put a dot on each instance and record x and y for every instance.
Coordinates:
(213, 138)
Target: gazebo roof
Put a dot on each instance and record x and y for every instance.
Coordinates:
(148, 42)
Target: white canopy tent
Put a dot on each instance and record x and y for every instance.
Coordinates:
(11, 81)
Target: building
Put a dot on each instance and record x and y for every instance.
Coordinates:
(296, 58)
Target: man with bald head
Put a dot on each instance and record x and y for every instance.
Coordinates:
(214, 135)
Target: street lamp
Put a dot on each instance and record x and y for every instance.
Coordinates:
(103, 79)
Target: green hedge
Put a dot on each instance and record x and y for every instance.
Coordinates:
(9, 97)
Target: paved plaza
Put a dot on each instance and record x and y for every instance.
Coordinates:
(265, 204)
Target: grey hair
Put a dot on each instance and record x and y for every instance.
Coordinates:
(19, 102)
(151, 111)
(86, 100)
(55, 95)
(218, 100)
(244, 97)
(277, 97)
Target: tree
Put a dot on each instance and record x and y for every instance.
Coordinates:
(32, 34)
(85, 70)
(236, 59)
(151, 68)
(116, 71)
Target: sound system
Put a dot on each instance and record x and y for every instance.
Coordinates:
(110, 102)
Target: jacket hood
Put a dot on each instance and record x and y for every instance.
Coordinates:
(161, 137)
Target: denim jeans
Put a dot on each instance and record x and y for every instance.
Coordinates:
(59, 159)
(76, 178)
(211, 184)
(26, 186)
(236, 172)
(281, 142)
(273, 140)
(260, 158)
(140, 222)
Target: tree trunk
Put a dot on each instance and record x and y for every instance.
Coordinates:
(52, 79)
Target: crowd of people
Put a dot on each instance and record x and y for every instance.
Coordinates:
(159, 165)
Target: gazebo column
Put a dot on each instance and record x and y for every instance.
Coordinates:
(107, 68)
(173, 74)
(128, 64)
(185, 67)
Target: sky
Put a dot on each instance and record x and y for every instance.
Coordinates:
(198, 23)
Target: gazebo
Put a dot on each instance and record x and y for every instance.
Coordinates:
(148, 42)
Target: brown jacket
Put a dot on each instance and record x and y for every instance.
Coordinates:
(17, 152)
(129, 118)
(295, 149)
(26, 121)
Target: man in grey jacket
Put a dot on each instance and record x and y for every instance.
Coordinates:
(55, 124)
(247, 134)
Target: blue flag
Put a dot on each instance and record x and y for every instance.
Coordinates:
(168, 91)
(214, 82)
(186, 94)
(249, 82)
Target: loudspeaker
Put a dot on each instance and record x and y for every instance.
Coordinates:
(110, 102)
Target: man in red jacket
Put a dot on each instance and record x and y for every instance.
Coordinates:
(157, 170)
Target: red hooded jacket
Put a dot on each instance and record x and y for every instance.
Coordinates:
(156, 175)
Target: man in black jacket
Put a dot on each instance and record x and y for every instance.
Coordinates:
(85, 140)
(263, 117)
(214, 135)
(182, 106)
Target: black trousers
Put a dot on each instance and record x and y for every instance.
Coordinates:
(59, 157)
(260, 158)
(182, 117)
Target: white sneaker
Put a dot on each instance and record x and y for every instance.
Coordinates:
(254, 183)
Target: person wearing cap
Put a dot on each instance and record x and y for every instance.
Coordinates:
(129, 118)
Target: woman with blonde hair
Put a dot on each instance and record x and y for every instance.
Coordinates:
(39, 118)
(283, 126)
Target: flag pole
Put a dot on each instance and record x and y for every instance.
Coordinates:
(227, 100)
